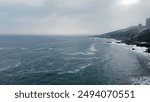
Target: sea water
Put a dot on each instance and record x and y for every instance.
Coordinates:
(69, 60)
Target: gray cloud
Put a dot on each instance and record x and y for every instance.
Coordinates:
(69, 16)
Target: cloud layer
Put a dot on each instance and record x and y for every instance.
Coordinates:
(69, 17)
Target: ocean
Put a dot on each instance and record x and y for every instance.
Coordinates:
(70, 60)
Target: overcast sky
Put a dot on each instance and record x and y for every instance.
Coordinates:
(70, 17)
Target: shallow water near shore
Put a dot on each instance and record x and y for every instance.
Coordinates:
(76, 60)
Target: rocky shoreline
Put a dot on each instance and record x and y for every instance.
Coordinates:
(140, 44)
(130, 36)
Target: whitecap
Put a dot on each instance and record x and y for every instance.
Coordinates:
(18, 64)
(133, 48)
(89, 58)
(78, 70)
(75, 53)
(23, 48)
(60, 72)
(73, 72)
(82, 53)
(144, 80)
(85, 66)
(80, 58)
(90, 53)
(106, 58)
(92, 48)
(6, 67)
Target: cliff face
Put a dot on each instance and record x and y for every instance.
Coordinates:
(130, 36)
(144, 36)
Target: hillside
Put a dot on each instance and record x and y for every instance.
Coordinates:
(130, 36)
(142, 39)
(123, 34)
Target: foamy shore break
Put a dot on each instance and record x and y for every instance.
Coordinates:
(136, 48)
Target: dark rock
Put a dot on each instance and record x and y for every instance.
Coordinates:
(148, 50)
(131, 36)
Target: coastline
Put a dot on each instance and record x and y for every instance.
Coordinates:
(139, 44)
(132, 47)
(143, 58)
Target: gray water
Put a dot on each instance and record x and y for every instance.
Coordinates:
(58, 60)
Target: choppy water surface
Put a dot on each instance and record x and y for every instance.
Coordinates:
(69, 60)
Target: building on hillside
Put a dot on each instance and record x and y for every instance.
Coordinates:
(140, 27)
(148, 22)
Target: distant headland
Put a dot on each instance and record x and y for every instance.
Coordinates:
(135, 35)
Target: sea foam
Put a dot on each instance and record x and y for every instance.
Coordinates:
(144, 80)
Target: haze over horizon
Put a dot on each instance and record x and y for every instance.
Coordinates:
(70, 17)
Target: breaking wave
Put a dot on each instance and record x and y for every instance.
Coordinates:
(91, 51)
(92, 48)
(141, 80)
(134, 48)
(80, 58)
(76, 70)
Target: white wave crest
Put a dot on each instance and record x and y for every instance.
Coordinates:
(80, 58)
(80, 53)
(18, 64)
(90, 51)
(92, 48)
(134, 48)
(75, 53)
(141, 80)
(75, 71)
(23, 48)
(85, 66)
